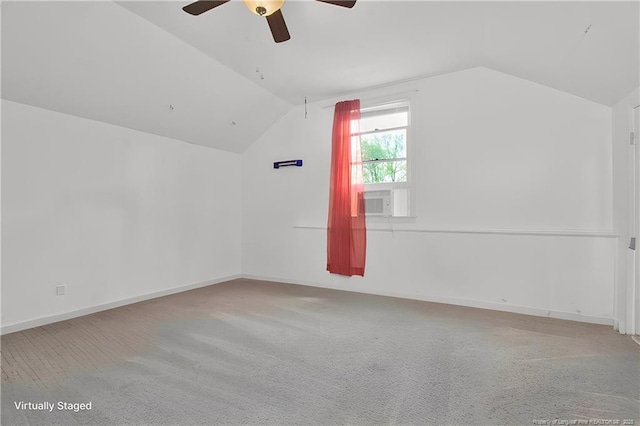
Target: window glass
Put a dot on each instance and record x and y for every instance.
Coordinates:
(385, 172)
(384, 155)
(386, 121)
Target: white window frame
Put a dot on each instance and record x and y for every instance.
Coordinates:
(409, 183)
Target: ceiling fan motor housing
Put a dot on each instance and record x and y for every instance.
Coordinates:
(263, 7)
(269, 9)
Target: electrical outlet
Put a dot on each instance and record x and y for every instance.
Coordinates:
(60, 289)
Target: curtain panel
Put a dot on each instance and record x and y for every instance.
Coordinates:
(346, 228)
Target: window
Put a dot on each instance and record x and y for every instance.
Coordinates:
(384, 130)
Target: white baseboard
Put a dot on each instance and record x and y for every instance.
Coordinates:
(12, 328)
(451, 301)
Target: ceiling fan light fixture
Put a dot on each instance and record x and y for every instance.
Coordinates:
(263, 7)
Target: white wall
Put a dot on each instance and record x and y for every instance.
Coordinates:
(492, 152)
(113, 213)
(622, 125)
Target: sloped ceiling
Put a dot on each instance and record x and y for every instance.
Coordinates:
(150, 66)
(589, 49)
(99, 61)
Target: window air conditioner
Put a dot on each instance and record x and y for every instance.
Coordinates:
(378, 203)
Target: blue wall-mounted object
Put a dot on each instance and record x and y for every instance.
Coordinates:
(278, 164)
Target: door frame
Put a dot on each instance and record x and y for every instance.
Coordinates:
(634, 225)
(632, 290)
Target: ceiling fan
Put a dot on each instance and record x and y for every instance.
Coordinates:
(267, 8)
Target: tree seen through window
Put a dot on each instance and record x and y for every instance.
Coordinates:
(385, 157)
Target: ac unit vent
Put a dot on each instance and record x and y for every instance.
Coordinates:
(378, 203)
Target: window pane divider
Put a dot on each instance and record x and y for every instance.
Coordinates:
(385, 160)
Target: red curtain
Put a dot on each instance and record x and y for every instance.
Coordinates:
(346, 229)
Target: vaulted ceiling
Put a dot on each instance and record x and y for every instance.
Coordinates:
(219, 80)
(99, 61)
(335, 50)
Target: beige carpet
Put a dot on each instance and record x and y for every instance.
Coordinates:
(251, 352)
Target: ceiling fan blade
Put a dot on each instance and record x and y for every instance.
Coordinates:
(278, 27)
(202, 6)
(345, 3)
